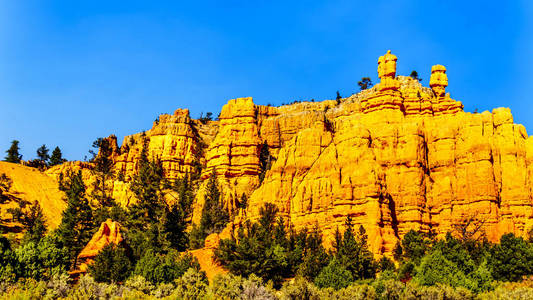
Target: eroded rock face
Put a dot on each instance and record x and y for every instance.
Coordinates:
(108, 233)
(31, 185)
(404, 157)
(395, 157)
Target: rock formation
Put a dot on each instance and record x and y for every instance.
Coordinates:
(394, 157)
(29, 184)
(108, 233)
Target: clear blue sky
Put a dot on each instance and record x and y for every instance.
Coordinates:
(72, 72)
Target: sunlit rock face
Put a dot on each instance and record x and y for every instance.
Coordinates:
(395, 157)
(109, 233)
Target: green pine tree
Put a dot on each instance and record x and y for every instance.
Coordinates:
(57, 157)
(414, 75)
(214, 215)
(353, 252)
(13, 155)
(76, 225)
(147, 185)
(31, 216)
(5, 186)
(103, 169)
(265, 160)
(243, 204)
(42, 154)
(111, 265)
(175, 224)
(365, 83)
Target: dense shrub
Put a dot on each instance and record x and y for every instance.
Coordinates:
(111, 265)
(158, 268)
(512, 258)
(299, 288)
(226, 286)
(43, 259)
(192, 285)
(8, 261)
(334, 275)
(254, 289)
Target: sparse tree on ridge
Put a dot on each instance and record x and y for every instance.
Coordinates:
(42, 154)
(414, 75)
(365, 83)
(13, 155)
(57, 157)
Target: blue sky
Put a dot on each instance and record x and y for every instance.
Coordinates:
(72, 72)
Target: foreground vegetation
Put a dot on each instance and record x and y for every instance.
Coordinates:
(194, 285)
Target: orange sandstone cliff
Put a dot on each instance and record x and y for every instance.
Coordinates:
(395, 157)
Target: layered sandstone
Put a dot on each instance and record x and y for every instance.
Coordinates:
(401, 157)
(395, 157)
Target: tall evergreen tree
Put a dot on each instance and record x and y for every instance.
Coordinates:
(57, 157)
(103, 169)
(353, 252)
(214, 214)
(265, 160)
(175, 224)
(5, 186)
(76, 225)
(31, 216)
(175, 221)
(42, 154)
(111, 265)
(243, 203)
(147, 185)
(13, 155)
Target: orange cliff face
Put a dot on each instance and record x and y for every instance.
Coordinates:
(395, 157)
(108, 233)
(31, 185)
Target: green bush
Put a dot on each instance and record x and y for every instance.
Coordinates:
(435, 268)
(415, 291)
(158, 268)
(139, 283)
(334, 275)
(508, 293)
(254, 289)
(299, 288)
(110, 265)
(8, 261)
(192, 285)
(88, 288)
(43, 259)
(226, 286)
(512, 258)
(356, 291)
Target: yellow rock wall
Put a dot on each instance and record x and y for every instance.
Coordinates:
(31, 185)
(395, 157)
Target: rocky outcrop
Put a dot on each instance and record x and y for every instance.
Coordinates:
(108, 233)
(404, 157)
(395, 157)
(31, 185)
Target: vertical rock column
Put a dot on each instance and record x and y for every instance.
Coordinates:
(234, 153)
